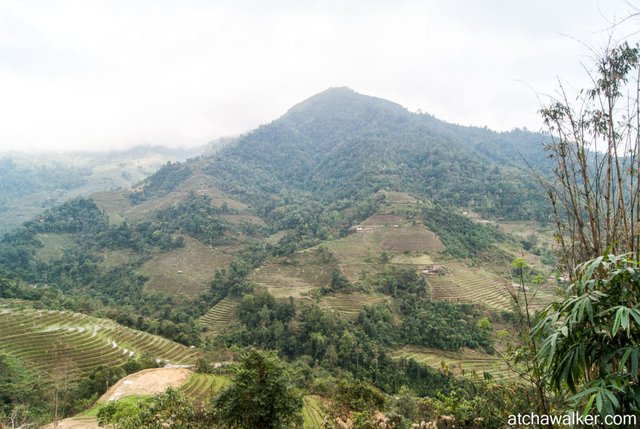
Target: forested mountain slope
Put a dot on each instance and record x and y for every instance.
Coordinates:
(340, 145)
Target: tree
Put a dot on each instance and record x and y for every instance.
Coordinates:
(168, 409)
(61, 377)
(596, 192)
(588, 342)
(262, 395)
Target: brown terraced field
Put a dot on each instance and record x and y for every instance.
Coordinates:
(295, 276)
(186, 271)
(464, 284)
(472, 285)
(359, 253)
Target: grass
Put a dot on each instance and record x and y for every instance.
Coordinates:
(407, 259)
(129, 399)
(220, 317)
(185, 271)
(60, 341)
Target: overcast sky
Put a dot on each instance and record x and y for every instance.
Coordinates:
(112, 74)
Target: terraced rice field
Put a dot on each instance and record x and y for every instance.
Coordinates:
(358, 254)
(348, 305)
(201, 387)
(313, 412)
(220, 317)
(465, 363)
(113, 258)
(114, 204)
(50, 341)
(185, 271)
(399, 198)
(417, 262)
(470, 285)
(295, 276)
(542, 297)
(382, 220)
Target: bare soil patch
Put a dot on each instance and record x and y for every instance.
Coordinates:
(147, 382)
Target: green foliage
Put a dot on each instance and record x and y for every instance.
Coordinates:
(20, 180)
(444, 325)
(261, 396)
(300, 329)
(168, 409)
(356, 395)
(462, 237)
(398, 282)
(18, 387)
(198, 218)
(339, 283)
(342, 147)
(162, 182)
(589, 340)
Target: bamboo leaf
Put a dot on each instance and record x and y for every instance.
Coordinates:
(599, 402)
(588, 406)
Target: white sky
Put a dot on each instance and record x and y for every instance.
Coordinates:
(111, 74)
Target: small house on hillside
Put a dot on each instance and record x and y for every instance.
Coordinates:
(434, 270)
(360, 228)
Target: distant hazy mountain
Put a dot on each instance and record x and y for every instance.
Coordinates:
(30, 183)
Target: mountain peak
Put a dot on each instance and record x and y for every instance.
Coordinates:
(342, 101)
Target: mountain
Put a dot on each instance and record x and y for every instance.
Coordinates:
(33, 182)
(340, 144)
(351, 235)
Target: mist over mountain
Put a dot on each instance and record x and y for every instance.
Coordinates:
(31, 182)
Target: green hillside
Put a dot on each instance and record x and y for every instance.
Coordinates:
(316, 235)
(46, 339)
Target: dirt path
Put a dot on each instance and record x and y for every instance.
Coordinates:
(76, 423)
(147, 382)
